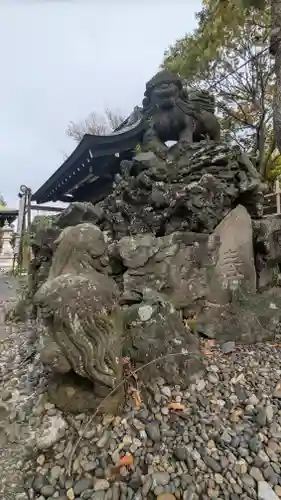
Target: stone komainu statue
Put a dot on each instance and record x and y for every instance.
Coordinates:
(78, 304)
(174, 113)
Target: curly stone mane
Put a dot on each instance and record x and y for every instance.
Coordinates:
(79, 306)
(163, 76)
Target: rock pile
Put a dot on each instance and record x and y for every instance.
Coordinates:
(192, 192)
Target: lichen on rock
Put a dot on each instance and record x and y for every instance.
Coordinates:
(156, 337)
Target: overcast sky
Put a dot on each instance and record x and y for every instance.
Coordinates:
(62, 59)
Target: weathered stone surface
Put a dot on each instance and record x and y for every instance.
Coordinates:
(154, 329)
(145, 160)
(52, 430)
(247, 319)
(136, 251)
(78, 305)
(77, 213)
(52, 356)
(45, 241)
(267, 239)
(177, 265)
(192, 190)
(235, 267)
(82, 307)
(43, 246)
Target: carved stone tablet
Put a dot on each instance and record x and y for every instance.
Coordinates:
(235, 267)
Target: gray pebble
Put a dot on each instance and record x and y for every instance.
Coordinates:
(224, 462)
(138, 496)
(276, 468)
(39, 482)
(237, 489)
(213, 378)
(270, 475)
(180, 453)
(277, 391)
(254, 444)
(102, 442)
(147, 486)
(108, 494)
(98, 495)
(101, 485)
(87, 494)
(115, 491)
(212, 463)
(226, 437)
(269, 413)
(135, 483)
(55, 472)
(5, 395)
(261, 417)
(158, 490)
(241, 393)
(235, 442)
(82, 485)
(166, 391)
(153, 431)
(186, 479)
(253, 400)
(89, 466)
(248, 480)
(256, 474)
(68, 484)
(189, 494)
(160, 478)
(47, 491)
(263, 456)
(228, 347)
(99, 472)
(157, 397)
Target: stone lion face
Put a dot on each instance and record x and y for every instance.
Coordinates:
(164, 95)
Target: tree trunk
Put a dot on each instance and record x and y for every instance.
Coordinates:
(275, 49)
(265, 161)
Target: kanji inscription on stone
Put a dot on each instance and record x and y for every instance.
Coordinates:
(230, 269)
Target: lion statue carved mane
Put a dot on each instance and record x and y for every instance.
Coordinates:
(79, 306)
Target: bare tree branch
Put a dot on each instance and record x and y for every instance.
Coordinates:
(95, 124)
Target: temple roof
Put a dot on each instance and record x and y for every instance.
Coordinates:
(4, 210)
(94, 162)
(7, 214)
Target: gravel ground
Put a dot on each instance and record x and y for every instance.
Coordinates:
(219, 438)
(21, 384)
